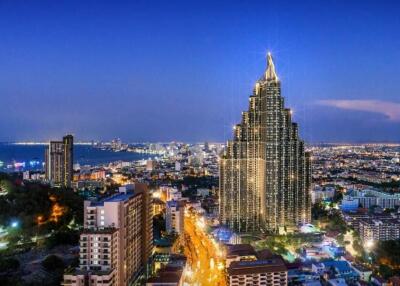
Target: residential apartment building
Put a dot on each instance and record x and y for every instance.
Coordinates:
(59, 162)
(379, 229)
(116, 243)
(175, 217)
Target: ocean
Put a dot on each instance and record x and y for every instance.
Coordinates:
(30, 157)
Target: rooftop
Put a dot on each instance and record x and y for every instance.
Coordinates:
(360, 267)
(167, 275)
(104, 230)
(256, 266)
(240, 250)
(340, 265)
(119, 197)
(78, 271)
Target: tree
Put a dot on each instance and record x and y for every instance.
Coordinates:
(63, 236)
(389, 252)
(385, 271)
(340, 238)
(337, 197)
(358, 246)
(8, 264)
(52, 263)
(318, 211)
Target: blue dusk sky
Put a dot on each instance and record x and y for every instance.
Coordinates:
(183, 70)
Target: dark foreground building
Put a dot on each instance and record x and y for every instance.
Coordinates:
(265, 174)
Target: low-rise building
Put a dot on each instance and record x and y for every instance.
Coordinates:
(337, 282)
(364, 272)
(322, 193)
(172, 273)
(269, 272)
(349, 204)
(341, 269)
(240, 252)
(169, 276)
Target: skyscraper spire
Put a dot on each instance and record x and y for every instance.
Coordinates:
(270, 74)
(265, 173)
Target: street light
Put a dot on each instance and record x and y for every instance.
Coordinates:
(14, 224)
(369, 244)
(189, 273)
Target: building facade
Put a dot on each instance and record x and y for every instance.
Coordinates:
(98, 259)
(379, 229)
(174, 219)
(265, 174)
(271, 272)
(59, 160)
(117, 240)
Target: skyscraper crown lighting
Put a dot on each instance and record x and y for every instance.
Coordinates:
(265, 174)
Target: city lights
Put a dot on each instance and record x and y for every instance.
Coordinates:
(369, 244)
(279, 196)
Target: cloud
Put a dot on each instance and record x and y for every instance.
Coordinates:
(390, 109)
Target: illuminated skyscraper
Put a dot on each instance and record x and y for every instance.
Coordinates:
(265, 174)
(59, 161)
(68, 142)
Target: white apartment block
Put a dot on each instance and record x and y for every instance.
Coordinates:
(175, 217)
(375, 229)
(98, 259)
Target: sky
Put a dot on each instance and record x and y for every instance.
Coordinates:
(183, 70)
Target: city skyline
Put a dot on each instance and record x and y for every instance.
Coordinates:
(199, 143)
(136, 72)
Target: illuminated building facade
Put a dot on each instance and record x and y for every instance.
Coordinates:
(174, 218)
(59, 157)
(270, 272)
(68, 173)
(265, 174)
(117, 241)
(379, 229)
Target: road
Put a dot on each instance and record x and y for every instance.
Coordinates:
(205, 259)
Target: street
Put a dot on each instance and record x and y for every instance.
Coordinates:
(205, 259)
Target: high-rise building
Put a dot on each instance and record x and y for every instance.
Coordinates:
(117, 240)
(265, 174)
(59, 157)
(68, 142)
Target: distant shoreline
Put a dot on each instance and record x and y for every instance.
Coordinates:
(315, 144)
(19, 157)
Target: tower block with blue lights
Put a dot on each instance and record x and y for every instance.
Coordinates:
(265, 173)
